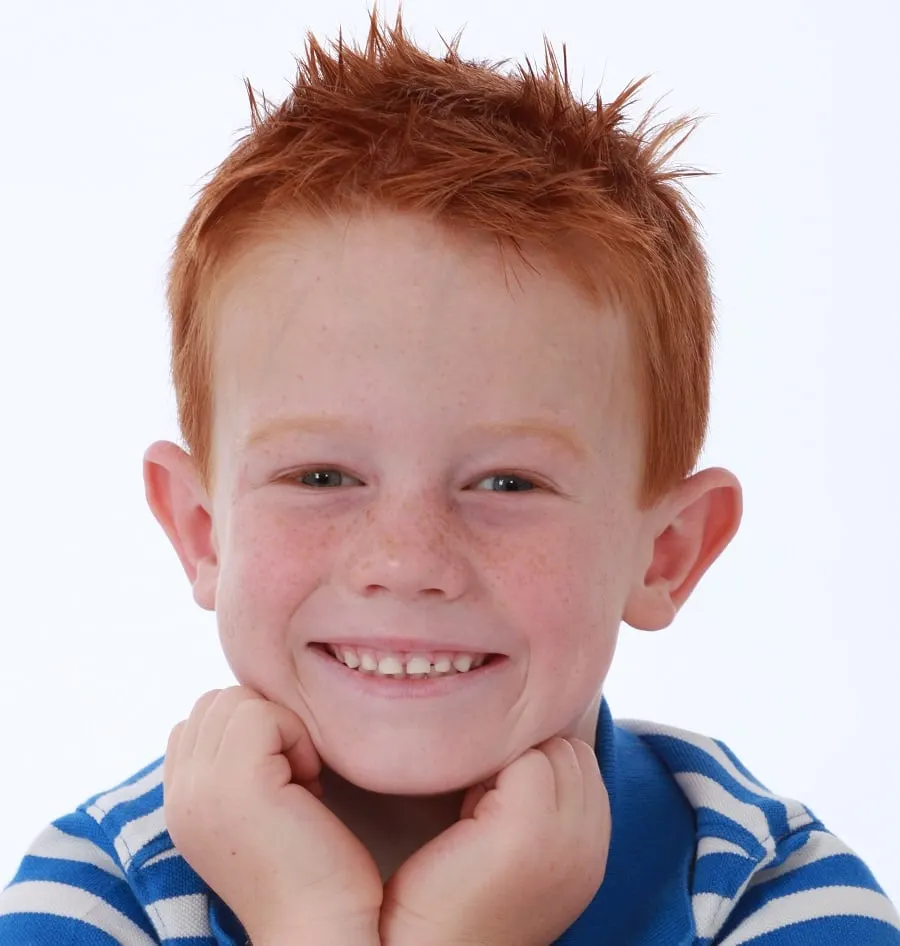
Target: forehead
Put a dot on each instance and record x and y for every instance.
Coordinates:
(392, 313)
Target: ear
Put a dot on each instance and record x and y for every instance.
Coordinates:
(182, 507)
(696, 522)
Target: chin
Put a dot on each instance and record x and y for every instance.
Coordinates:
(400, 776)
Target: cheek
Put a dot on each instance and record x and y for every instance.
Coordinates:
(567, 598)
(265, 571)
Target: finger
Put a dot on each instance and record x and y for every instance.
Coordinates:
(567, 775)
(169, 761)
(525, 788)
(471, 800)
(596, 797)
(304, 760)
(215, 721)
(191, 726)
(260, 729)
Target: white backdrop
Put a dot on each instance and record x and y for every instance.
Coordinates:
(789, 649)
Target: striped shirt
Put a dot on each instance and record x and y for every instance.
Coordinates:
(701, 854)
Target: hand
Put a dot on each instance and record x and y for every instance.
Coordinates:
(521, 865)
(240, 786)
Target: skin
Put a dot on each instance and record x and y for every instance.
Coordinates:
(416, 337)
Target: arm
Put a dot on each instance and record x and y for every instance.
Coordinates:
(817, 891)
(71, 891)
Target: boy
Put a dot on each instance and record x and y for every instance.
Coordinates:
(441, 348)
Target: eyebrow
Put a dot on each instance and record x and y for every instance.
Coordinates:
(560, 435)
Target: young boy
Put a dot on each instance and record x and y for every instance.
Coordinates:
(441, 348)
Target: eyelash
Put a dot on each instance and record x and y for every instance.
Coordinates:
(537, 485)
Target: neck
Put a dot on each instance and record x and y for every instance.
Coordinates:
(391, 827)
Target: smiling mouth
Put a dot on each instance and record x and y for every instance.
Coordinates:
(407, 666)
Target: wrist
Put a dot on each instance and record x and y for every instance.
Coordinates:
(323, 937)
(304, 933)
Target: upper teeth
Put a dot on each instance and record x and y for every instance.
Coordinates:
(405, 665)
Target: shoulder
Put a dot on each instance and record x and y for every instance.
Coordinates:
(130, 816)
(107, 873)
(765, 868)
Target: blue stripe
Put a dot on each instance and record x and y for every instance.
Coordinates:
(711, 823)
(690, 759)
(129, 781)
(842, 870)
(826, 931)
(80, 825)
(111, 890)
(63, 871)
(792, 843)
(722, 873)
(115, 820)
(736, 762)
(42, 929)
(173, 877)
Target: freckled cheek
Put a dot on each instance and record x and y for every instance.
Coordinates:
(268, 574)
(562, 599)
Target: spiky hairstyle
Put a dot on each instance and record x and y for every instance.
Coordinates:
(509, 152)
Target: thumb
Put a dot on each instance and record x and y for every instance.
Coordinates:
(473, 796)
(471, 799)
(297, 747)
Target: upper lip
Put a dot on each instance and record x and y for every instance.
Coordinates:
(404, 645)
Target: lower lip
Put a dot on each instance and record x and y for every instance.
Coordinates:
(401, 688)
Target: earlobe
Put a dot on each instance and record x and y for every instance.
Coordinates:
(183, 509)
(703, 515)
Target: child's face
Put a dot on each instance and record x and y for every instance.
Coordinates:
(406, 350)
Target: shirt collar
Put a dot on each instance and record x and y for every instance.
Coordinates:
(645, 896)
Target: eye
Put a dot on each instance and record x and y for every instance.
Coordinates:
(328, 479)
(325, 478)
(509, 483)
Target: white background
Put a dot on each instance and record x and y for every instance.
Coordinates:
(112, 114)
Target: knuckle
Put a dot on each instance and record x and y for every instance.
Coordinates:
(204, 702)
(242, 693)
(253, 711)
(174, 736)
(242, 702)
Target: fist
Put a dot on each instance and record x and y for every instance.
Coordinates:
(519, 867)
(241, 805)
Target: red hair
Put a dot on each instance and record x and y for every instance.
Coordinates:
(511, 153)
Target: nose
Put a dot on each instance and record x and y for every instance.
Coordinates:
(410, 549)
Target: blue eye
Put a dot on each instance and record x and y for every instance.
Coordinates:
(325, 478)
(509, 483)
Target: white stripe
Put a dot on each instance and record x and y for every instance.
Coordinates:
(820, 845)
(103, 805)
(810, 904)
(796, 812)
(52, 842)
(135, 834)
(175, 917)
(704, 792)
(709, 910)
(42, 896)
(709, 844)
(162, 856)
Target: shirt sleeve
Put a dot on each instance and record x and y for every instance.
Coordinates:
(817, 891)
(70, 890)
